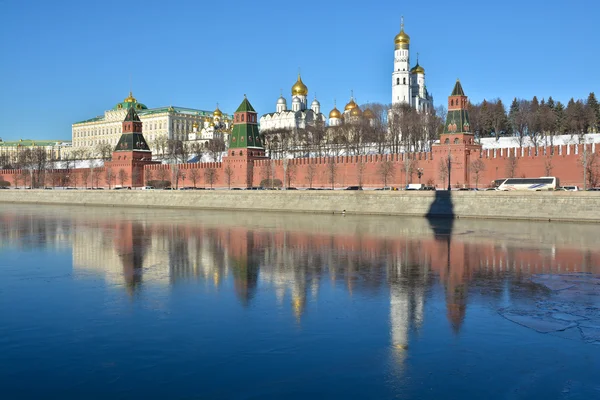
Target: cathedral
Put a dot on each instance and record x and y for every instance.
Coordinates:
(408, 87)
(408, 84)
(299, 117)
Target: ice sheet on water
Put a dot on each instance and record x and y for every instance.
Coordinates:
(574, 302)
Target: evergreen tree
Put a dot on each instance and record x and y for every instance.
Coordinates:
(593, 112)
(560, 123)
(550, 103)
(512, 115)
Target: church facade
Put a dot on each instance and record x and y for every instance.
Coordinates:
(300, 116)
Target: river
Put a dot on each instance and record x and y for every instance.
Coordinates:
(125, 303)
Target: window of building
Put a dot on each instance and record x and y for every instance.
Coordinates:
(456, 141)
(397, 81)
(242, 117)
(404, 81)
(447, 141)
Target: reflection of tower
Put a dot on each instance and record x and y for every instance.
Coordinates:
(131, 245)
(244, 265)
(407, 279)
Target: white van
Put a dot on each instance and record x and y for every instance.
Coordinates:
(414, 186)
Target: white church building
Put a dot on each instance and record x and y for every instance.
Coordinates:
(299, 117)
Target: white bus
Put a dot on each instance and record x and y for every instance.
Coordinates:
(536, 184)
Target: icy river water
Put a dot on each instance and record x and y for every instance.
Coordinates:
(100, 303)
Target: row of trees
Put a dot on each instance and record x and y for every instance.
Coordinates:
(540, 121)
(392, 129)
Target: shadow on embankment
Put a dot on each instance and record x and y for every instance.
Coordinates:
(441, 214)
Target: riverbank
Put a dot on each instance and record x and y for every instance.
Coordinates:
(544, 206)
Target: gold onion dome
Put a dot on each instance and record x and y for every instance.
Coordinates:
(335, 113)
(417, 69)
(195, 124)
(351, 105)
(130, 99)
(355, 112)
(217, 112)
(368, 114)
(299, 88)
(402, 40)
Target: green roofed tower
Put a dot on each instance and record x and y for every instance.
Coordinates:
(245, 128)
(457, 120)
(132, 138)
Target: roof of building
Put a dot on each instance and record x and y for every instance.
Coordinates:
(160, 110)
(132, 116)
(458, 90)
(132, 142)
(245, 106)
(29, 143)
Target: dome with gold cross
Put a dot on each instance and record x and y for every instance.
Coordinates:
(402, 40)
(299, 88)
(130, 102)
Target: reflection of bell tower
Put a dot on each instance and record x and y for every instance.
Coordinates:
(131, 244)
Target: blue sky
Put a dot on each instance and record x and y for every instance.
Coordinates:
(63, 61)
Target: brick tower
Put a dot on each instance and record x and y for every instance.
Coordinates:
(457, 143)
(131, 153)
(245, 146)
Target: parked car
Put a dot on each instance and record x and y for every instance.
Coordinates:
(595, 189)
(570, 188)
(354, 188)
(147, 187)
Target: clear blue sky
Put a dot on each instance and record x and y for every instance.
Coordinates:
(64, 61)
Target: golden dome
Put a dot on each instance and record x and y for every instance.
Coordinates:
(299, 88)
(351, 105)
(195, 124)
(217, 112)
(355, 112)
(417, 69)
(130, 99)
(402, 40)
(212, 123)
(335, 113)
(368, 114)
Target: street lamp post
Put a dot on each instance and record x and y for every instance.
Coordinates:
(419, 174)
(449, 170)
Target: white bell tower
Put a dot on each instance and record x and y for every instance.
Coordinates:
(401, 92)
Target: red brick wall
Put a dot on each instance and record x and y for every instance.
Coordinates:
(565, 160)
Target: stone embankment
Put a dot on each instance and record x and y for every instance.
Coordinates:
(545, 206)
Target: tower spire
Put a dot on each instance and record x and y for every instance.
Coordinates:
(402, 23)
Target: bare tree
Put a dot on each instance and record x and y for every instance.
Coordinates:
(122, 174)
(215, 148)
(386, 171)
(228, 175)
(85, 176)
(408, 166)
(148, 176)
(593, 170)
(290, 174)
(194, 176)
(311, 172)
(511, 166)
(39, 165)
(360, 171)
(210, 176)
(136, 174)
(109, 177)
(332, 169)
(477, 167)
(162, 174)
(443, 170)
(104, 151)
(548, 166)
